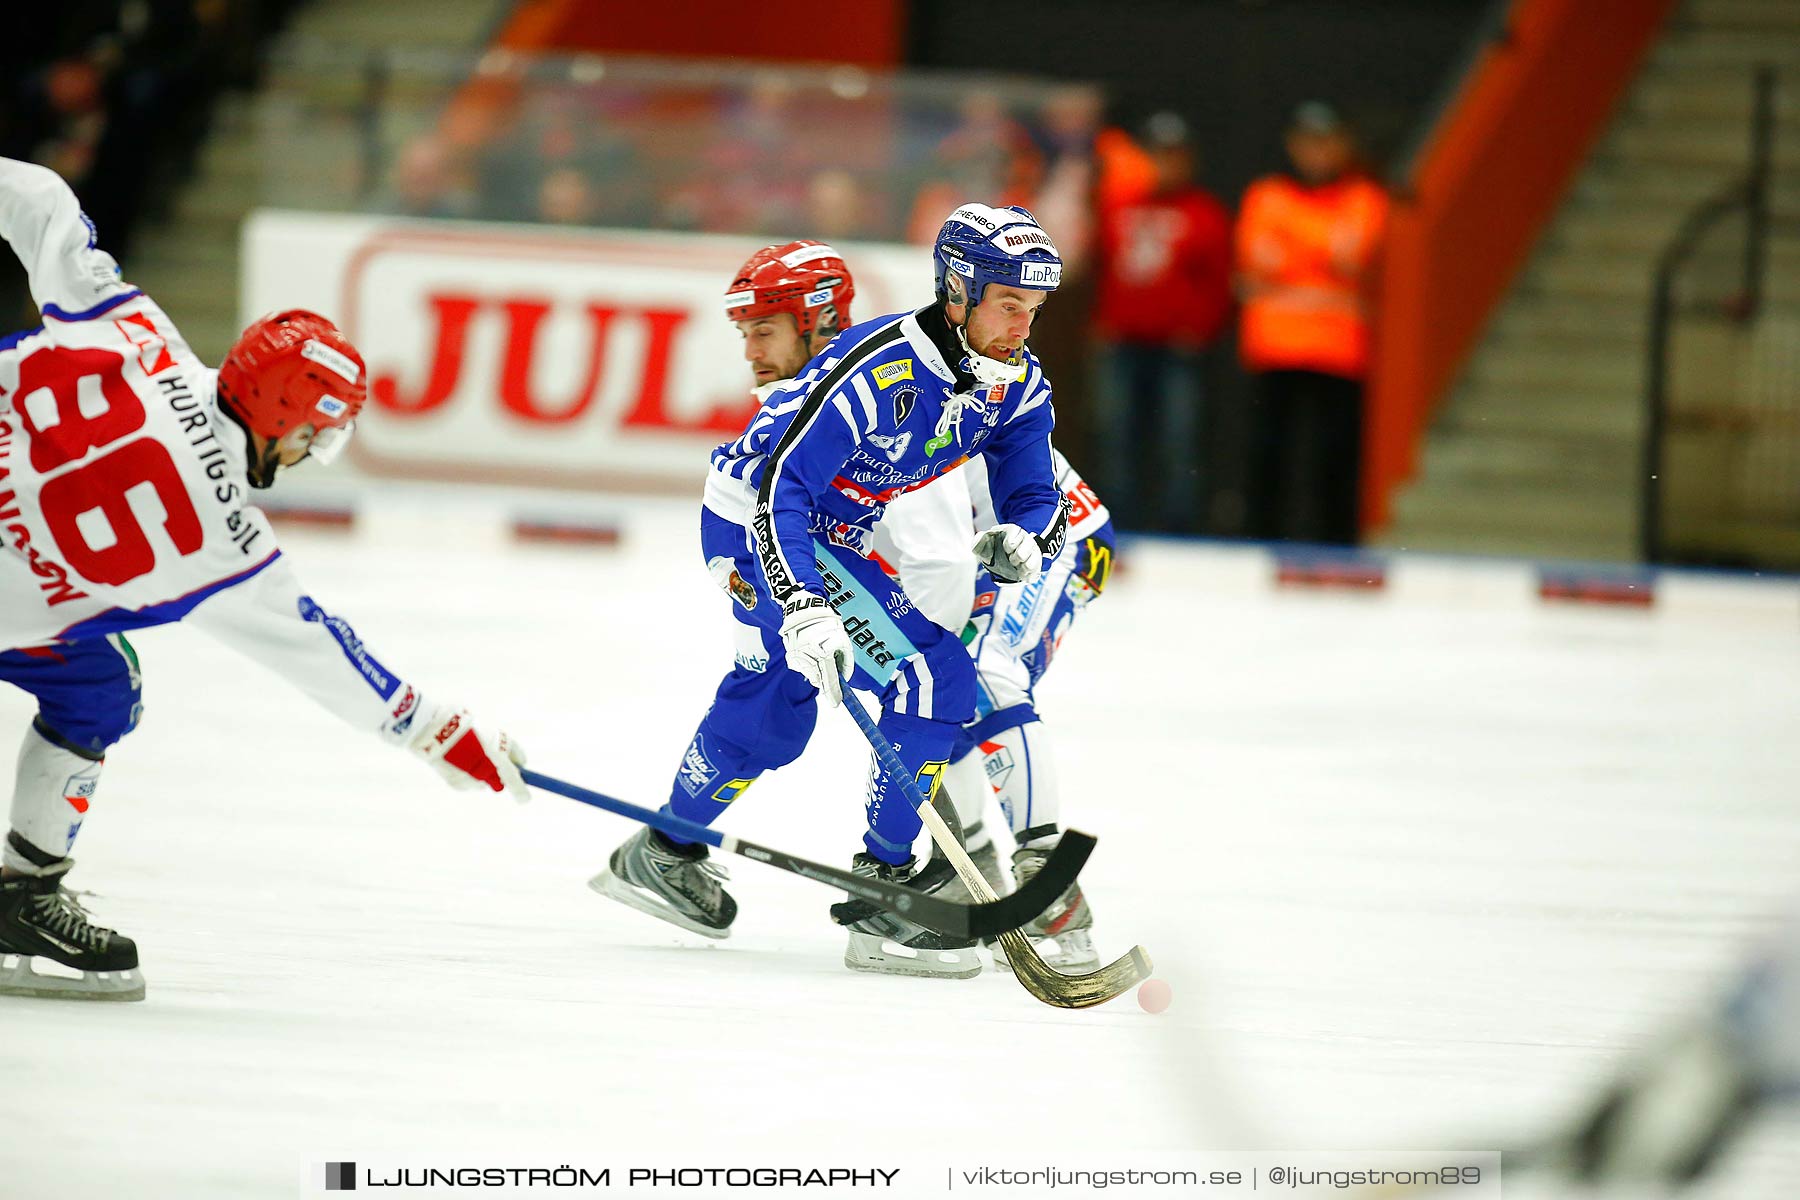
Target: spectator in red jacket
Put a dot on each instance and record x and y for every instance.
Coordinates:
(1164, 296)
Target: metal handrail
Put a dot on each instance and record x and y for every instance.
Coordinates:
(1749, 195)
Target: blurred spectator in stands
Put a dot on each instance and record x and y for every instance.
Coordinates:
(565, 197)
(71, 117)
(988, 154)
(116, 96)
(160, 97)
(755, 173)
(1306, 251)
(1164, 266)
(837, 208)
(430, 181)
(1064, 203)
(561, 154)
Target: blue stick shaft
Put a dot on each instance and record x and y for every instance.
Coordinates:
(884, 750)
(656, 819)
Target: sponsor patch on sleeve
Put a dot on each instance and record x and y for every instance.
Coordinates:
(888, 374)
(377, 676)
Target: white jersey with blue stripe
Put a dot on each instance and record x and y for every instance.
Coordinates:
(926, 536)
(878, 413)
(123, 496)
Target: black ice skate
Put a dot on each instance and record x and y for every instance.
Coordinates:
(679, 884)
(884, 942)
(40, 921)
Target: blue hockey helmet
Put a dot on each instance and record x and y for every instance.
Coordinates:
(980, 245)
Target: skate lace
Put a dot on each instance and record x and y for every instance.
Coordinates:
(704, 879)
(1028, 865)
(1067, 914)
(715, 873)
(63, 916)
(870, 867)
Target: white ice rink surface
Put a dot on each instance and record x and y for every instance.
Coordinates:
(1420, 867)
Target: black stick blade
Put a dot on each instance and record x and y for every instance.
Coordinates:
(943, 916)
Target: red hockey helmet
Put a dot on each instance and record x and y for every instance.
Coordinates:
(290, 369)
(806, 280)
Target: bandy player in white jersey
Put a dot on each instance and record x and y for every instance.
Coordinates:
(1013, 632)
(126, 474)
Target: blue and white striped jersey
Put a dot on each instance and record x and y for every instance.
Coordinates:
(878, 413)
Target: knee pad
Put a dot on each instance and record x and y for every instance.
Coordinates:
(791, 719)
(95, 699)
(763, 718)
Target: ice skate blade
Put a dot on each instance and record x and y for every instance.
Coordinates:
(17, 978)
(877, 955)
(614, 888)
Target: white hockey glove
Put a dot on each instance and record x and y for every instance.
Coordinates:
(1010, 553)
(817, 645)
(468, 758)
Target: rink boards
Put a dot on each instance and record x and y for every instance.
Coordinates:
(1421, 862)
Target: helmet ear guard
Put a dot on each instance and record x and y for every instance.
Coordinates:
(952, 287)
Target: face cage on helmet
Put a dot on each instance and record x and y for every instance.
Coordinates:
(328, 444)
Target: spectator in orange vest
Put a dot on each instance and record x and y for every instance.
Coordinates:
(1306, 251)
(1164, 295)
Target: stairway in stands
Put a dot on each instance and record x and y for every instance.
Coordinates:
(189, 261)
(1536, 451)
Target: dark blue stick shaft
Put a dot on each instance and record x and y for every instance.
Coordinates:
(884, 750)
(656, 819)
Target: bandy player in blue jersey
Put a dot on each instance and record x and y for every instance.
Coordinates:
(127, 470)
(788, 526)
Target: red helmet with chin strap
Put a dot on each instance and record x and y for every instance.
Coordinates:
(806, 280)
(290, 369)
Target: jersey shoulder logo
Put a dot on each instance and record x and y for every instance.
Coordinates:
(726, 575)
(893, 447)
(152, 347)
(905, 400)
(888, 374)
